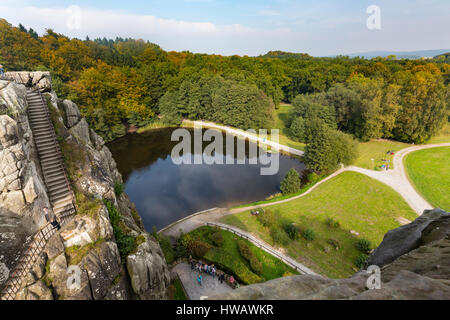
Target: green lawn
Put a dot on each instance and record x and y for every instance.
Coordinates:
(281, 120)
(377, 150)
(228, 258)
(443, 136)
(175, 291)
(357, 202)
(429, 171)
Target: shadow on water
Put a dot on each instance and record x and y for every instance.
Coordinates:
(165, 192)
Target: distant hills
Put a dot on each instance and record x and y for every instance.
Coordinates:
(401, 54)
(368, 55)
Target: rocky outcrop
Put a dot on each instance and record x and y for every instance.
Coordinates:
(418, 268)
(399, 241)
(87, 242)
(38, 79)
(22, 190)
(149, 276)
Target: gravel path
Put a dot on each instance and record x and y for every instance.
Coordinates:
(210, 286)
(242, 133)
(397, 178)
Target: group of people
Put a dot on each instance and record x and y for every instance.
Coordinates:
(202, 268)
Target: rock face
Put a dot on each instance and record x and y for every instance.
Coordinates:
(408, 237)
(416, 259)
(149, 276)
(22, 190)
(87, 242)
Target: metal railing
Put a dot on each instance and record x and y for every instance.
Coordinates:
(39, 240)
(262, 246)
(57, 147)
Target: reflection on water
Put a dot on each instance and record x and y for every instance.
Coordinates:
(164, 192)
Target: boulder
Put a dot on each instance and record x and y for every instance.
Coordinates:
(102, 267)
(405, 238)
(72, 113)
(81, 132)
(148, 271)
(36, 291)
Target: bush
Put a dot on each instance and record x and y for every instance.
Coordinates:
(292, 230)
(217, 239)
(334, 243)
(364, 245)
(291, 182)
(244, 250)
(361, 260)
(226, 262)
(256, 266)
(199, 248)
(309, 234)
(331, 223)
(118, 188)
(125, 243)
(312, 177)
(266, 218)
(167, 249)
(279, 236)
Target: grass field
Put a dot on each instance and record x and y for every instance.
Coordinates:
(228, 258)
(443, 136)
(377, 150)
(429, 171)
(281, 120)
(357, 202)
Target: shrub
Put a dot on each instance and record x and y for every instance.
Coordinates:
(244, 250)
(199, 248)
(118, 188)
(334, 243)
(256, 266)
(309, 234)
(279, 236)
(291, 182)
(217, 238)
(364, 245)
(125, 243)
(292, 230)
(331, 223)
(312, 177)
(361, 260)
(226, 262)
(167, 249)
(266, 218)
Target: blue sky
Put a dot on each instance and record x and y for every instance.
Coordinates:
(248, 27)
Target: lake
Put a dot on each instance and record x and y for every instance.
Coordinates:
(165, 192)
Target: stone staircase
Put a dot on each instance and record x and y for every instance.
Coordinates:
(58, 189)
(50, 156)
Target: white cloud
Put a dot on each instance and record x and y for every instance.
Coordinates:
(169, 33)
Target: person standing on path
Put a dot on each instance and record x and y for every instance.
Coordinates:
(2, 71)
(199, 279)
(54, 222)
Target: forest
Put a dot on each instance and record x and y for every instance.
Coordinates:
(134, 82)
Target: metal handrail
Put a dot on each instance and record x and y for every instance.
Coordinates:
(57, 148)
(29, 257)
(260, 245)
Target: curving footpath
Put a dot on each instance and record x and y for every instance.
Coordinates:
(246, 135)
(397, 178)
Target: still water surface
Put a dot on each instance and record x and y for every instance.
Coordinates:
(164, 192)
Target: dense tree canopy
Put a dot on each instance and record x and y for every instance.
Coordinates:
(134, 81)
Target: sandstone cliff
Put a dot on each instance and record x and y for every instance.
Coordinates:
(414, 261)
(90, 241)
